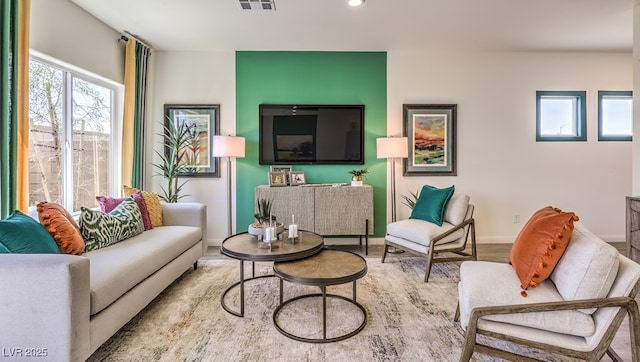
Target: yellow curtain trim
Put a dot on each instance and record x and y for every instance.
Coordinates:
(24, 10)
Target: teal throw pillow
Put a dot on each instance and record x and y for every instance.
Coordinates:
(432, 203)
(101, 229)
(21, 234)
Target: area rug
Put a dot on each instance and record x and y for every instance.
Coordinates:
(408, 320)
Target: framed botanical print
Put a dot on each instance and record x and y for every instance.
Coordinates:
(200, 122)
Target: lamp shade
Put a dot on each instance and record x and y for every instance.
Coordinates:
(227, 146)
(392, 147)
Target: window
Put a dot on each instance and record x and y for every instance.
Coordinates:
(561, 116)
(615, 115)
(72, 125)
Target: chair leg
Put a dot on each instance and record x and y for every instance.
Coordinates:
(474, 251)
(634, 329)
(613, 355)
(429, 264)
(469, 345)
(384, 252)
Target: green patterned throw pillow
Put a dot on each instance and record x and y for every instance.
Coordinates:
(101, 229)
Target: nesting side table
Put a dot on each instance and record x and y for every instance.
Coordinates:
(329, 267)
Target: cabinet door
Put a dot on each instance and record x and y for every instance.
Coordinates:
(343, 210)
(633, 228)
(288, 201)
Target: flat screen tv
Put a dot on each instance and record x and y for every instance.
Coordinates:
(311, 134)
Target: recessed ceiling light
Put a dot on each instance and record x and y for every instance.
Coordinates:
(355, 2)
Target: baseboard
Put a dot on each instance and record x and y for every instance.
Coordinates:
(479, 240)
(510, 239)
(327, 241)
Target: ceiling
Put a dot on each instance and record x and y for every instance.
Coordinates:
(205, 25)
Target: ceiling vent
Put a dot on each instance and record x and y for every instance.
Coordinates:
(257, 5)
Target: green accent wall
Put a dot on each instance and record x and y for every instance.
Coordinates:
(310, 78)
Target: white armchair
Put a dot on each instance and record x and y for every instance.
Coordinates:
(576, 312)
(446, 243)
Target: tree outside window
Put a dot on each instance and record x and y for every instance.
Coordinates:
(70, 140)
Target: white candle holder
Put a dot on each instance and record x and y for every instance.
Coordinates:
(293, 234)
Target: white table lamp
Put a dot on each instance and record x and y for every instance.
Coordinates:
(228, 146)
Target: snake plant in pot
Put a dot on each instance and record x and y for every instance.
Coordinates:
(264, 217)
(177, 140)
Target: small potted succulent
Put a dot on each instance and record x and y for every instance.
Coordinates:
(263, 218)
(357, 176)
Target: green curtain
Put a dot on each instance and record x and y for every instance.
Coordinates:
(133, 128)
(142, 56)
(8, 107)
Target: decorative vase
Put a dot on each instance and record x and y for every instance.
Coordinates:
(257, 229)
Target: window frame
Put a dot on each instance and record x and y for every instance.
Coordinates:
(117, 103)
(602, 137)
(581, 116)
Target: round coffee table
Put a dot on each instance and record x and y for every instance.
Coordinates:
(329, 267)
(245, 247)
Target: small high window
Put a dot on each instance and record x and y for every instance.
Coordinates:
(561, 116)
(615, 115)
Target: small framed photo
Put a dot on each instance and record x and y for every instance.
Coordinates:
(285, 169)
(277, 179)
(297, 178)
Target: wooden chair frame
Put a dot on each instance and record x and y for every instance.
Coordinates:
(435, 249)
(627, 305)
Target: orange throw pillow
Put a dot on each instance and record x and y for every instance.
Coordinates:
(153, 204)
(540, 245)
(62, 227)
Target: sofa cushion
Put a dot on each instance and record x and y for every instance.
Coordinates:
(62, 227)
(421, 232)
(100, 229)
(432, 203)
(120, 267)
(485, 284)
(540, 244)
(20, 233)
(456, 210)
(109, 203)
(153, 204)
(588, 267)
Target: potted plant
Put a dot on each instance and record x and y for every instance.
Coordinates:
(263, 217)
(177, 138)
(357, 176)
(411, 200)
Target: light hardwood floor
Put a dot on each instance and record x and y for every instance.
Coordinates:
(488, 252)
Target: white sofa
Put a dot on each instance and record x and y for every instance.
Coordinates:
(63, 307)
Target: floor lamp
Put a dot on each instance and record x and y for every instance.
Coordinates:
(392, 147)
(228, 146)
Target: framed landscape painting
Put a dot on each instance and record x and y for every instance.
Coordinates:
(431, 131)
(203, 122)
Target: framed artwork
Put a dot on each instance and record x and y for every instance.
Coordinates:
(201, 122)
(286, 169)
(277, 179)
(431, 131)
(297, 178)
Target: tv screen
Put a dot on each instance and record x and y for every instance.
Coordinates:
(311, 134)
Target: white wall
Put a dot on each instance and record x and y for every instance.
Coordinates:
(500, 165)
(64, 31)
(196, 78)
